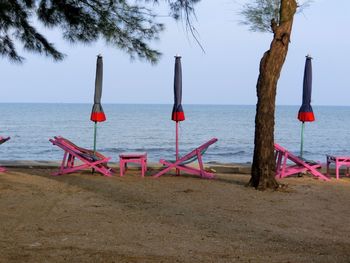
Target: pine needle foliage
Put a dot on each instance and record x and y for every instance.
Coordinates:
(122, 24)
(258, 14)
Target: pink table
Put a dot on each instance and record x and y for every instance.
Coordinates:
(339, 161)
(133, 157)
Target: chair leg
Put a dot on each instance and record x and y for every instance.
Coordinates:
(328, 163)
(201, 166)
(284, 165)
(70, 162)
(165, 170)
(63, 164)
(278, 158)
(121, 164)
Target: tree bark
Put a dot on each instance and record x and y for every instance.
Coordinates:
(263, 166)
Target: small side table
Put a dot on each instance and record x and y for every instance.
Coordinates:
(339, 161)
(133, 157)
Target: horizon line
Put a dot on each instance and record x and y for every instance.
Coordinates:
(159, 103)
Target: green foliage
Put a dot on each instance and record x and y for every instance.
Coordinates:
(178, 8)
(259, 14)
(126, 26)
(14, 23)
(182, 8)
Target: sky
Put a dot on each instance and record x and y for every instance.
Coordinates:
(225, 74)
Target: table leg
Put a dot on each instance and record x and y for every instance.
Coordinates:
(142, 167)
(337, 166)
(121, 165)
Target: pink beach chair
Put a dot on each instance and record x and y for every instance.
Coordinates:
(3, 140)
(180, 164)
(89, 159)
(283, 169)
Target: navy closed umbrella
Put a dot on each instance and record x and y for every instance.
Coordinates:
(177, 113)
(97, 114)
(306, 113)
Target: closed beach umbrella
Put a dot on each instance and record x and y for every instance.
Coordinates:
(97, 114)
(177, 113)
(305, 112)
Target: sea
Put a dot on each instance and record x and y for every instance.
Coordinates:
(149, 128)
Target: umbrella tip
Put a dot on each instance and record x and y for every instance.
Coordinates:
(177, 56)
(99, 55)
(308, 56)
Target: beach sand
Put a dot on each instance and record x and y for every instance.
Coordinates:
(91, 218)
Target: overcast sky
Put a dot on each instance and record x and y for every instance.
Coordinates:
(225, 74)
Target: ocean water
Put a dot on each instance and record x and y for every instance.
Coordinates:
(149, 128)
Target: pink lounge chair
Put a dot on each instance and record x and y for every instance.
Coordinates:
(180, 164)
(89, 159)
(299, 165)
(2, 140)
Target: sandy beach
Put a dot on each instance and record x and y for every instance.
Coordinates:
(91, 218)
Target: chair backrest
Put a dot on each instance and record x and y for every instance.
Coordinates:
(291, 156)
(287, 153)
(85, 153)
(192, 156)
(279, 148)
(4, 139)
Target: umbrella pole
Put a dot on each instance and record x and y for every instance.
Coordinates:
(95, 135)
(302, 139)
(177, 146)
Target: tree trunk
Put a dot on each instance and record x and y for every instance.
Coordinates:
(263, 167)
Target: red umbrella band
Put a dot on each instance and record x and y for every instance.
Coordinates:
(177, 113)
(306, 116)
(178, 116)
(98, 116)
(97, 113)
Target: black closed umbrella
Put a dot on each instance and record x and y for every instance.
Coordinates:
(97, 114)
(306, 113)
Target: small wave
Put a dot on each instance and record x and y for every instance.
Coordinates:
(157, 135)
(43, 151)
